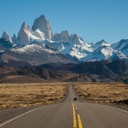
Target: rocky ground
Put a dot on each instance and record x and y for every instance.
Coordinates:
(9, 113)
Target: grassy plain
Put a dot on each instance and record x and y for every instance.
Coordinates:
(29, 94)
(102, 92)
(24, 95)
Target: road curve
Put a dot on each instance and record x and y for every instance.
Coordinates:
(71, 114)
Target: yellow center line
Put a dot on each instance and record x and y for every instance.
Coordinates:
(79, 121)
(74, 117)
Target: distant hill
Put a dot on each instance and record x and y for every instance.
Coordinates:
(100, 71)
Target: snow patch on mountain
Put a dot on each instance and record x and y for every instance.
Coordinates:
(100, 44)
(76, 53)
(1, 51)
(105, 53)
(119, 56)
(33, 48)
(39, 34)
(121, 46)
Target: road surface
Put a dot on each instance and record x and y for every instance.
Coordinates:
(70, 114)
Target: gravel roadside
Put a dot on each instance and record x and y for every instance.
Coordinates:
(9, 113)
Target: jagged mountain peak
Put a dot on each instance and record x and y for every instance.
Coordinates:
(26, 35)
(14, 39)
(43, 25)
(122, 46)
(42, 16)
(71, 45)
(14, 35)
(23, 34)
(5, 33)
(76, 39)
(24, 24)
(100, 44)
(63, 36)
(6, 36)
(124, 40)
(65, 32)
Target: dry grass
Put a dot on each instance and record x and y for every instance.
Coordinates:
(23, 95)
(102, 92)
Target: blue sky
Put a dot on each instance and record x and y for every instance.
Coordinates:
(93, 20)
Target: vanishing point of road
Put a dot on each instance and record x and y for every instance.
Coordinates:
(70, 114)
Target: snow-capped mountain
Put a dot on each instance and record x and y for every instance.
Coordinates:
(33, 54)
(100, 44)
(30, 49)
(27, 36)
(104, 53)
(38, 45)
(121, 46)
(63, 36)
(71, 45)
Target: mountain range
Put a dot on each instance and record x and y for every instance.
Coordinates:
(39, 45)
(97, 71)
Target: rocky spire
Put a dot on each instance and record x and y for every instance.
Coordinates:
(14, 39)
(6, 36)
(23, 35)
(43, 25)
(63, 36)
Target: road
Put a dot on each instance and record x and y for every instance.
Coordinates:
(71, 114)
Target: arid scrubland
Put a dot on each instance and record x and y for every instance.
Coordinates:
(24, 95)
(103, 92)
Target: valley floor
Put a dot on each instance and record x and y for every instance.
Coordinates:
(19, 98)
(103, 93)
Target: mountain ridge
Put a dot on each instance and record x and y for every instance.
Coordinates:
(98, 71)
(70, 47)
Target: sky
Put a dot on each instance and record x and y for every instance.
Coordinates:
(93, 20)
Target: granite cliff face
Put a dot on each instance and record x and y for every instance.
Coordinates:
(23, 35)
(43, 25)
(27, 36)
(63, 36)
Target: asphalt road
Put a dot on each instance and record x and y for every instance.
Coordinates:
(70, 114)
